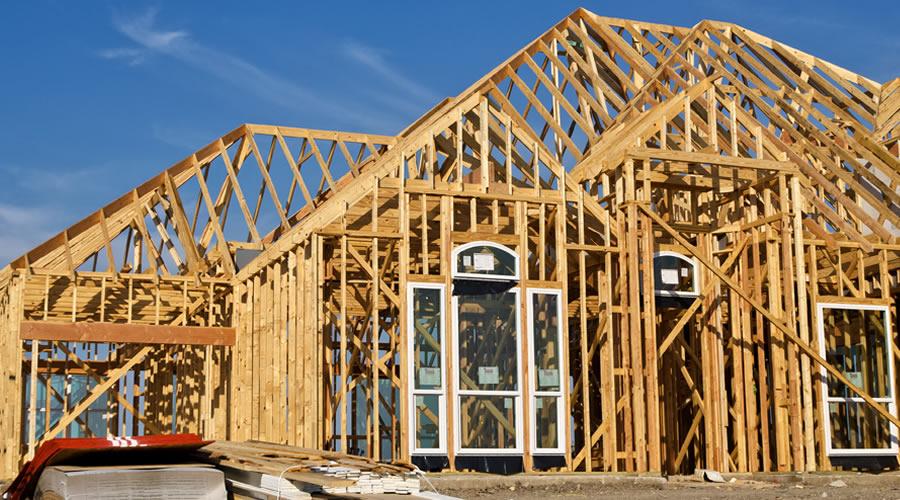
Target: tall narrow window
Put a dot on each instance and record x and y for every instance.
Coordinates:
(546, 371)
(487, 347)
(856, 339)
(426, 347)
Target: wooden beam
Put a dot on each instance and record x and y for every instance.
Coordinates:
(151, 426)
(784, 328)
(182, 227)
(688, 313)
(95, 393)
(127, 333)
(709, 158)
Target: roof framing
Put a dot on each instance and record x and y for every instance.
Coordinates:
(580, 85)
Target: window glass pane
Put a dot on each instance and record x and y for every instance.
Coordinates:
(487, 342)
(428, 422)
(545, 327)
(673, 274)
(427, 338)
(545, 421)
(486, 260)
(856, 425)
(855, 344)
(487, 421)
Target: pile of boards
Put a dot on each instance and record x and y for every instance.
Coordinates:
(169, 482)
(255, 469)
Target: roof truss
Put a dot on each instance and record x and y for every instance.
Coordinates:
(587, 93)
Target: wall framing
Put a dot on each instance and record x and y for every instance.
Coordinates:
(599, 144)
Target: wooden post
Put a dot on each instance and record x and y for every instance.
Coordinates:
(585, 362)
(803, 322)
(446, 204)
(638, 396)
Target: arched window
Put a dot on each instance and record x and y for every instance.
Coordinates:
(675, 275)
(484, 260)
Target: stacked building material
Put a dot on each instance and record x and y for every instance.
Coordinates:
(256, 469)
(164, 482)
(135, 467)
(366, 482)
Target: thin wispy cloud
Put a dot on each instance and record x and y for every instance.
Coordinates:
(374, 59)
(56, 182)
(152, 40)
(396, 100)
(17, 236)
(24, 227)
(15, 215)
(34, 206)
(182, 137)
(131, 56)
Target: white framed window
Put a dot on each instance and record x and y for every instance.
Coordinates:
(427, 399)
(856, 339)
(484, 260)
(675, 275)
(487, 350)
(546, 371)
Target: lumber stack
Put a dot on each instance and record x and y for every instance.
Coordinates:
(257, 469)
(368, 482)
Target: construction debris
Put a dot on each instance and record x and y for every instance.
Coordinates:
(272, 469)
(184, 466)
(711, 476)
(369, 482)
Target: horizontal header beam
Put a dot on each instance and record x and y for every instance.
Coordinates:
(126, 333)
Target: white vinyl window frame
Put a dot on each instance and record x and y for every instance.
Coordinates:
(441, 393)
(826, 399)
(695, 270)
(532, 370)
(455, 273)
(458, 393)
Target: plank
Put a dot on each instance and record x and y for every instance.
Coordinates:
(128, 333)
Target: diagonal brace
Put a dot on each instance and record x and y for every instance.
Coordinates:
(784, 328)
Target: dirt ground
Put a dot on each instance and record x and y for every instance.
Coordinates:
(867, 486)
(870, 487)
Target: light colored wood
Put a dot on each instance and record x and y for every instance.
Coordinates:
(32, 397)
(583, 342)
(130, 333)
(284, 316)
(784, 329)
(95, 393)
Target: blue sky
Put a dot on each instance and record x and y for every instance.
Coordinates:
(99, 96)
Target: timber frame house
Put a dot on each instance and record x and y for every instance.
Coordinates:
(629, 247)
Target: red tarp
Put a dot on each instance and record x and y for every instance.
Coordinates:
(160, 449)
